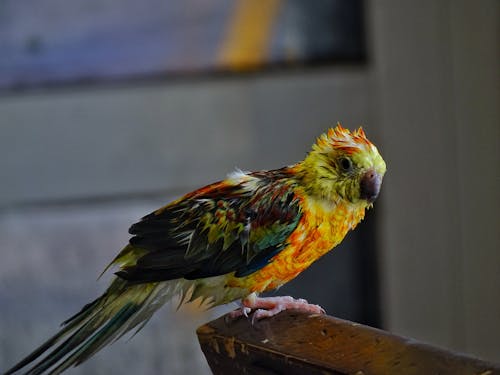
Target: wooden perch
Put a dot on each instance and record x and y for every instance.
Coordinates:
(297, 343)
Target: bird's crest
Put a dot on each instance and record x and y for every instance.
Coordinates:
(340, 138)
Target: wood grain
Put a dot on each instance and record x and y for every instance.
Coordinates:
(297, 343)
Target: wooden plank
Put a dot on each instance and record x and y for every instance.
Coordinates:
(297, 343)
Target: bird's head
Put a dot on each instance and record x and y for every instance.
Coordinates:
(343, 165)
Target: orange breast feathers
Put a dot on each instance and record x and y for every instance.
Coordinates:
(322, 227)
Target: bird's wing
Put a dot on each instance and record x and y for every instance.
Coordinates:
(222, 228)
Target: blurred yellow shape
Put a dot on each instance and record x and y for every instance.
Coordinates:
(247, 39)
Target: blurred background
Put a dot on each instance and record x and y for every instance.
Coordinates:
(107, 113)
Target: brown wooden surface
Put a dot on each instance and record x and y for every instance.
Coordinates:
(296, 343)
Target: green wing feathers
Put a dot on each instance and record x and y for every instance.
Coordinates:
(216, 230)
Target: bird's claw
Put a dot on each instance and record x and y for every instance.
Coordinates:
(242, 311)
(270, 306)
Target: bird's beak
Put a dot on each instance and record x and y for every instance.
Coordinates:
(370, 186)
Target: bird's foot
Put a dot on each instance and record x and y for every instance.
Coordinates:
(266, 307)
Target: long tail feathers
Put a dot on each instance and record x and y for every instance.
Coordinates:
(122, 308)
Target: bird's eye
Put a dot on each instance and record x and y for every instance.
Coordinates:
(345, 164)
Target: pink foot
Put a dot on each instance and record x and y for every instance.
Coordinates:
(270, 306)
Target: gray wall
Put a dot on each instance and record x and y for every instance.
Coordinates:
(436, 78)
(429, 98)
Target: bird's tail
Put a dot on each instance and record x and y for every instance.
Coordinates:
(121, 308)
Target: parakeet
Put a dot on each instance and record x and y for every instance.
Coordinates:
(227, 241)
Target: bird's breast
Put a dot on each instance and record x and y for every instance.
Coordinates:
(320, 229)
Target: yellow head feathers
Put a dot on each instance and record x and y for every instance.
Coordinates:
(343, 165)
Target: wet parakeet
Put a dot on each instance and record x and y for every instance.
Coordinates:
(227, 241)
